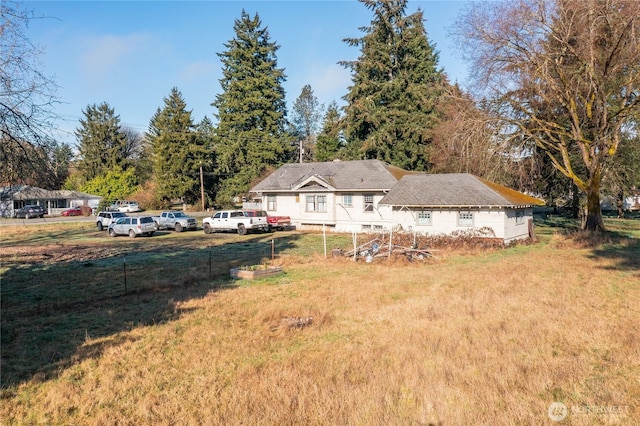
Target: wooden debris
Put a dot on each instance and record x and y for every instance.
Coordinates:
(293, 322)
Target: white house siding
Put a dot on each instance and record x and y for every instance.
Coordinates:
(445, 221)
(338, 217)
(342, 218)
(514, 228)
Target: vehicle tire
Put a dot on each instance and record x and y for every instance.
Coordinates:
(157, 226)
(112, 233)
(178, 227)
(207, 228)
(27, 216)
(99, 225)
(132, 233)
(150, 234)
(269, 229)
(242, 230)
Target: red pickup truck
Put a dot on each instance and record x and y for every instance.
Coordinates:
(275, 222)
(279, 222)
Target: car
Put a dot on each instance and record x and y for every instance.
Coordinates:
(30, 210)
(125, 206)
(132, 226)
(73, 211)
(104, 219)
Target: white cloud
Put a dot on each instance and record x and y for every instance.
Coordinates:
(106, 54)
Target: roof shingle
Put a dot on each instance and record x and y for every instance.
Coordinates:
(456, 190)
(341, 175)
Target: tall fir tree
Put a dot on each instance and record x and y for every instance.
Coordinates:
(396, 84)
(329, 140)
(102, 145)
(177, 151)
(306, 115)
(251, 134)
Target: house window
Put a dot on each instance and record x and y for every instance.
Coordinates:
(465, 219)
(347, 200)
(368, 203)
(520, 217)
(322, 203)
(271, 203)
(424, 218)
(316, 203)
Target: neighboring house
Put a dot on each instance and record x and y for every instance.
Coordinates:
(14, 197)
(459, 202)
(365, 195)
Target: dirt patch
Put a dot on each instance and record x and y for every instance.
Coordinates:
(53, 253)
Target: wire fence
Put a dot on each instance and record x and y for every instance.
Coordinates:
(32, 288)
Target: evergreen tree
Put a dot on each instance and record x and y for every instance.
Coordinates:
(329, 140)
(307, 113)
(396, 83)
(206, 136)
(101, 142)
(251, 110)
(177, 151)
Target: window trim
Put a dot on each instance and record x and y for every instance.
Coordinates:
(462, 222)
(272, 203)
(421, 220)
(368, 206)
(318, 203)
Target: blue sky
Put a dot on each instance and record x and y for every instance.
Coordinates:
(131, 53)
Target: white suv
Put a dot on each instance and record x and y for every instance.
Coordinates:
(104, 219)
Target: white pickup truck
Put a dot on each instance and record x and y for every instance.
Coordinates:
(236, 221)
(175, 220)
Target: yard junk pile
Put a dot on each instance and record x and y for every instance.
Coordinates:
(377, 248)
(416, 246)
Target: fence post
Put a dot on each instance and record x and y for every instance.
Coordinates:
(124, 265)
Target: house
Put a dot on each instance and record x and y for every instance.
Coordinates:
(14, 197)
(448, 203)
(366, 195)
(343, 195)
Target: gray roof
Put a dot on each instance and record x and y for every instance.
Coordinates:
(360, 175)
(454, 190)
(26, 192)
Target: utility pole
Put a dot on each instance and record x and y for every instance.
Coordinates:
(301, 150)
(202, 187)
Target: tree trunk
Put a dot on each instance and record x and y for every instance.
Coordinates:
(594, 213)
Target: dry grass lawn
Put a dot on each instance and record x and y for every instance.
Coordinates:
(489, 338)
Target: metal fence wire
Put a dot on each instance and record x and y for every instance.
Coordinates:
(37, 287)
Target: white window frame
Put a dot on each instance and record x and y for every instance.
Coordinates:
(425, 217)
(347, 200)
(368, 203)
(272, 203)
(316, 203)
(465, 219)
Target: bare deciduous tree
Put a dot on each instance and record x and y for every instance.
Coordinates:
(26, 99)
(565, 74)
